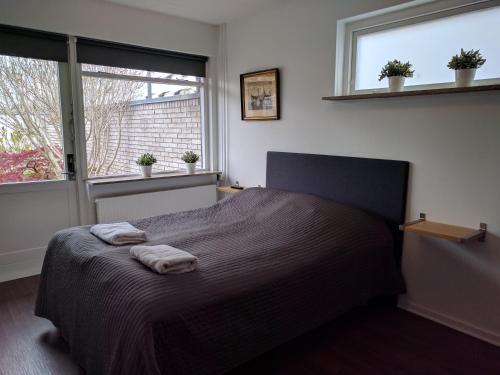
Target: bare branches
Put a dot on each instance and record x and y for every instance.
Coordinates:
(29, 105)
(105, 102)
(30, 114)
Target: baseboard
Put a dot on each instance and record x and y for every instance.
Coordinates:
(459, 325)
(21, 263)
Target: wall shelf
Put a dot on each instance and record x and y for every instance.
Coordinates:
(447, 231)
(450, 90)
(228, 190)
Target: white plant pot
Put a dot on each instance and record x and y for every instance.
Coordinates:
(396, 83)
(190, 167)
(464, 77)
(146, 170)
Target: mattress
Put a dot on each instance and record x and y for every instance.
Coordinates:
(272, 266)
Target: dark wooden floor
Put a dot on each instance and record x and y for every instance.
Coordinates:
(375, 340)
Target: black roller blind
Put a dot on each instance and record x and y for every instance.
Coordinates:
(21, 42)
(99, 52)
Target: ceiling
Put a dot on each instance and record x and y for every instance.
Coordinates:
(209, 11)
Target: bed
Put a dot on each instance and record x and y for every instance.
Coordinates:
(274, 263)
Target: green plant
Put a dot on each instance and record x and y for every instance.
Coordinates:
(146, 159)
(396, 68)
(190, 157)
(466, 60)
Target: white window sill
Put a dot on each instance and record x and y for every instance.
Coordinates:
(156, 176)
(33, 186)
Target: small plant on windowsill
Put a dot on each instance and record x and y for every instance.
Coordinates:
(465, 66)
(190, 158)
(396, 72)
(146, 162)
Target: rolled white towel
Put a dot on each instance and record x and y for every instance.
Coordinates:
(118, 233)
(164, 258)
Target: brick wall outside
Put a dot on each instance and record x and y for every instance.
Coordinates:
(165, 127)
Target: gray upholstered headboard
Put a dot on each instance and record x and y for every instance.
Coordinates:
(375, 185)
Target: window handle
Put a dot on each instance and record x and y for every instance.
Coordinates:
(70, 166)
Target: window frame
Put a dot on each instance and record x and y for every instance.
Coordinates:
(73, 129)
(414, 12)
(201, 83)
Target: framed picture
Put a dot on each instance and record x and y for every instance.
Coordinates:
(260, 95)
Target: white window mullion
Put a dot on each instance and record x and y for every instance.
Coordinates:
(68, 135)
(178, 82)
(84, 204)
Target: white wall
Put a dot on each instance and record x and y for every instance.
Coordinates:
(31, 214)
(102, 20)
(452, 141)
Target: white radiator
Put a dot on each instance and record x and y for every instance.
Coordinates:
(138, 206)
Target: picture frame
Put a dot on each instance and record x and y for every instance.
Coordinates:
(260, 95)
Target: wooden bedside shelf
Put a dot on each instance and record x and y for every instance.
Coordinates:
(228, 189)
(447, 231)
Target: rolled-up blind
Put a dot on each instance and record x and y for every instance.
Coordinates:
(120, 55)
(21, 42)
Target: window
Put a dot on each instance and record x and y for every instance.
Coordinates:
(427, 36)
(129, 112)
(140, 100)
(135, 100)
(33, 69)
(31, 144)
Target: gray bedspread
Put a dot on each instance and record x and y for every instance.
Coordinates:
(272, 265)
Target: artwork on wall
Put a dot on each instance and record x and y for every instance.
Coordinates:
(260, 95)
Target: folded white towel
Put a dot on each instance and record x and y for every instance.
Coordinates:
(164, 258)
(118, 233)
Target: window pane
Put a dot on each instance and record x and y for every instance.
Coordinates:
(429, 46)
(124, 119)
(30, 120)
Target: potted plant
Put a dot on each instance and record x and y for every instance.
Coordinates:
(190, 158)
(146, 162)
(396, 72)
(465, 66)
